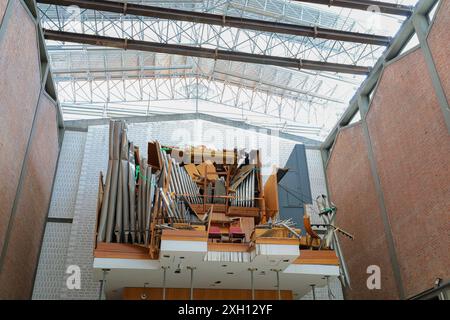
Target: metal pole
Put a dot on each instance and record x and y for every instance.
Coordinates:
(278, 284)
(313, 286)
(277, 271)
(102, 283)
(192, 282)
(252, 284)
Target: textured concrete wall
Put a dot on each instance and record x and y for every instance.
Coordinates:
(352, 189)
(412, 151)
(29, 149)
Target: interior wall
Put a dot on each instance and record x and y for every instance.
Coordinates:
(29, 147)
(406, 148)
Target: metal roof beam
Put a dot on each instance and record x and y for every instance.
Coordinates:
(228, 21)
(367, 5)
(128, 44)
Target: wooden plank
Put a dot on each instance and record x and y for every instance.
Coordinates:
(184, 235)
(121, 251)
(198, 208)
(234, 211)
(247, 225)
(192, 171)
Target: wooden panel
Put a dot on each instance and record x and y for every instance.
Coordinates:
(198, 208)
(327, 257)
(184, 235)
(192, 171)
(121, 251)
(271, 196)
(203, 294)
(291, 241)
(243, 211)
(210, 170)
(228, 247)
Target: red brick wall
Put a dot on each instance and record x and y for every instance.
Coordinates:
(412, 151)
(20, 85)
(353, 191)
(21, 257)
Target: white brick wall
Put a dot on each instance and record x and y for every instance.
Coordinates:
(81, 203)
(50, 271)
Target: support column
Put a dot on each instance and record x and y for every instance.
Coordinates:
(277, 271)
(363, 102)
(102, 283)
(164, 282)
(328, 288)
(422, 26)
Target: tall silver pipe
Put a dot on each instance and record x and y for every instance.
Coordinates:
(132, 192)
(186, 188)
(114, 180)
(105, 203)
(191, 189)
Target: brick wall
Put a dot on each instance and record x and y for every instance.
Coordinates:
(352, 189)
(412, 150)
